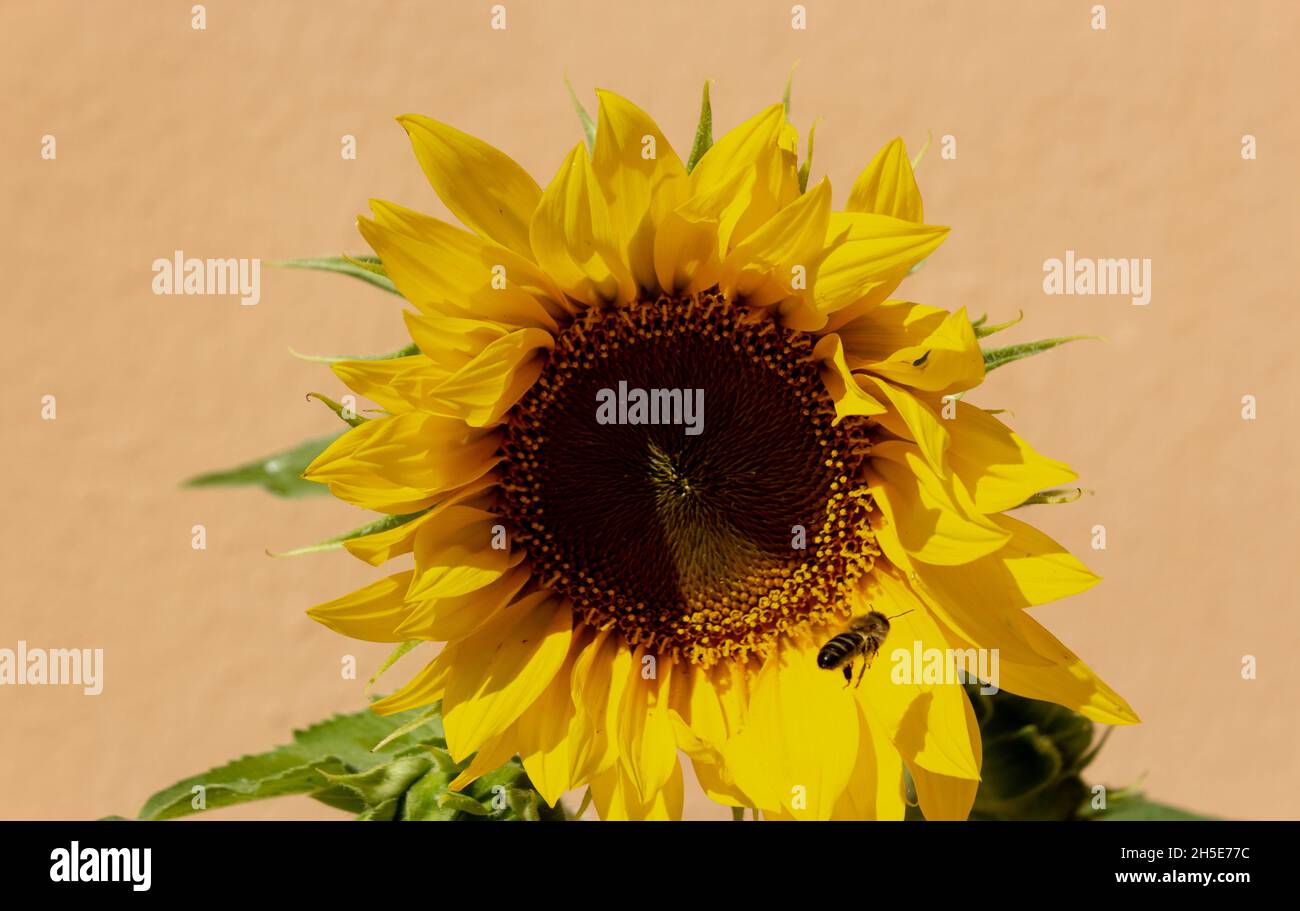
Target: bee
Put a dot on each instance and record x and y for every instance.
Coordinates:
(864, 637)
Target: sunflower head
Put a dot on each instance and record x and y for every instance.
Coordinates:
(667, 433)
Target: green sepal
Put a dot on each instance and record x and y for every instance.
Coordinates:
(789, 92)
(392, 659)
(383, 783)
(996, 357)
(1035, 753)
(355, 421)
(385, 812)
(1055, 496)
(404, 351)
(423, 801)
(916, 160)
(459, 802)
(588, 125)
(383, 523)
(982, 331)
(1027, 762)
(524, 803)
(806, 167)
(280, 473)
(367, 268)
(703, 132)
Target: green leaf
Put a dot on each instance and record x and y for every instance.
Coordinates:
(703, 132)
(378, 768)
(996, 357)
(1138, 809)
(311, 764)
(588, 125)
(280, 473)
(366, 268)
(383, 523)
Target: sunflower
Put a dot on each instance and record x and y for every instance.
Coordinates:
(615, 595)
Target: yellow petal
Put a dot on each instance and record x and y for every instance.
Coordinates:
(926, 721)
(481, 185)
(934, 518)
(712, 702)
(887, 186)
(399, 464)
(753, 150)
(381, 546)
(912, 418)
(545, 737)
(444, 270)
(482, 391)
(450, 342)
(425, 688)
(443, 619)
(780, 259)
(999, 468)
(845, 389)
(646, 741)
(519, 271)
(1040, 569)
(615, 797)
(372, 613)
(688, 245)
(394, 384)
(876, 333)
(947, 360)
(981, 600)
(502, 668)
(800, 742)
(875, 254)
(978, 602)
(493, 754)
(709, 765)
(1066, 680)
(741, 148)
(875, 789)
(640, 190)
(573, 239)
(454, 554)
(601, 672)
(945, 797)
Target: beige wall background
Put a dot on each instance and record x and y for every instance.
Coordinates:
(225, 142)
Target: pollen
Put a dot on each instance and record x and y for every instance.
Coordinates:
(710, 546)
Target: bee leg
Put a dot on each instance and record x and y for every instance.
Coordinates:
(861, 673)
(848, 674)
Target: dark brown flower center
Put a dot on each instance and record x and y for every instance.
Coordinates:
(677, 472)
